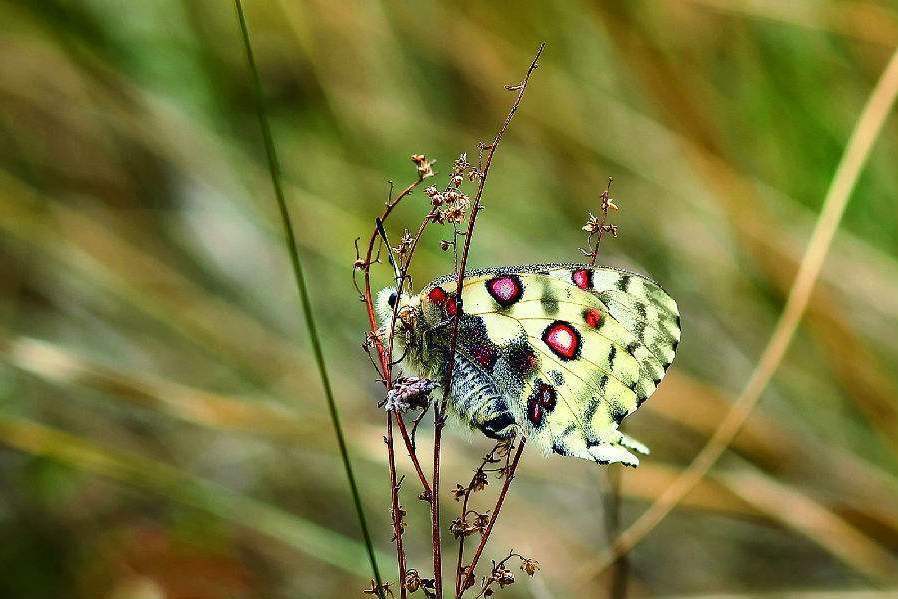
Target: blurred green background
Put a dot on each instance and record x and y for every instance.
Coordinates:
(163, 433)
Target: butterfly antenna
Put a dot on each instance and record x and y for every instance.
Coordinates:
(383, 234)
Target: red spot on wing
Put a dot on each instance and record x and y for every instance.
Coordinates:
(486, 356)
(546, 396)
(437, 295)
(451, 306)
(562, 339)
(542, 400)
(534, 413)
(582, 278)
(505, 289)
(593, 317)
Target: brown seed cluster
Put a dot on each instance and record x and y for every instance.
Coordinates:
(451, 204)
(502, 576)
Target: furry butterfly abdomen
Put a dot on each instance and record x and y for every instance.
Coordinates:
(561, 352)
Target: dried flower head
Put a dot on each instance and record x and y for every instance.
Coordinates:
(409, 392)
(459, 528)
(502, 575)
(459, 492)
(424, 166)
(479, 481)
(593, 224)
(405, 245)
(412, 580)
(529, 565)
(481, 522)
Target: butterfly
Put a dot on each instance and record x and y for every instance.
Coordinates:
(560, 353)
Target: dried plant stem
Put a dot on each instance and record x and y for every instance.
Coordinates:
(401, 559)
(600, 234)
(439, 413)
(464, 511)
(509, 476)
(858, 149)
(305, 302)
(384, 353)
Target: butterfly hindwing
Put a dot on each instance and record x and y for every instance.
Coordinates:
(564, 351)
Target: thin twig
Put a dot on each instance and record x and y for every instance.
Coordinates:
(602, 226)
(509, 476)
(857, 150)
(440, 409)
(305, 302)
(382, 351)
(401, 560)
(489, 458)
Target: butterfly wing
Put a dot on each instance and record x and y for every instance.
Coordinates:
(568, 350)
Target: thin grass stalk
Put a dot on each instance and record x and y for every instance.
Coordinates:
(305, 303)
(857, 150)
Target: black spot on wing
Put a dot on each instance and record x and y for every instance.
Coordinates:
(591, 408)
(617, 412)
(522, 360)
(549, 302)
(624, 283)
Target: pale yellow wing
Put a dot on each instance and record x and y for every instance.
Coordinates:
(571, 350)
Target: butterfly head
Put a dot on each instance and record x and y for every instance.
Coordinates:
(406, 307)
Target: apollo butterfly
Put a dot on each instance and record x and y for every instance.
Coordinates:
(559, 352)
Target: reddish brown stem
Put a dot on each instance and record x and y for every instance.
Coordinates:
(403, 430)
(397, 516)
(440, 409)
(509, 476)
(383, 353)
(488, 458)
(594, 255)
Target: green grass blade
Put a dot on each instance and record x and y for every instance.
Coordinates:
(290, 238)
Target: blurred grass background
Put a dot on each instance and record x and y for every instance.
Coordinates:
(162, 429)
